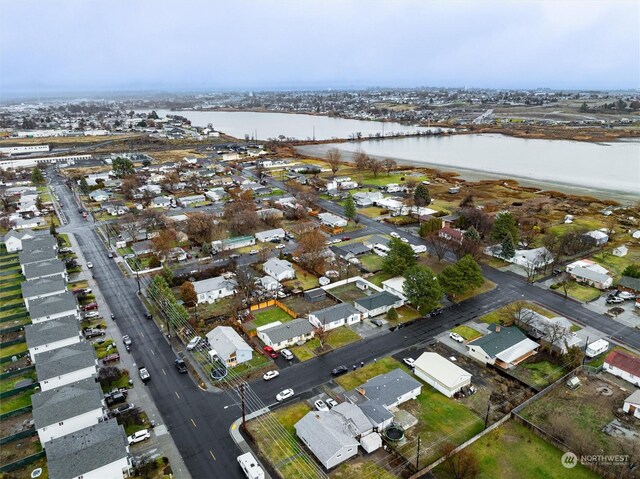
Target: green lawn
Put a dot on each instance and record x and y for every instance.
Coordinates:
(356, 378)
(371, 262)
(406, 313)
(371, 211)
(379, 277)
(105, 348)
(578, 224)
(486, 287)
(304, 280)
(514, 452)
(14, 349)
(270, 315)
(616, 264)
(467, 333)
(338, 338)
(382, 178)
(257, 361)
(599, 360)
(10, 383)
(496, 315)
(304, 352)
(540, 373)
(581, 292)
(16, 402)
(348, 292)
(65, 237)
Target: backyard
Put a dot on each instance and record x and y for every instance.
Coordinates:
(269, 315)
(498, 315)
(348, 293)
(539, 373)
(304, 280)
(371, 262)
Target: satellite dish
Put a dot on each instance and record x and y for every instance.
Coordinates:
(324, 281)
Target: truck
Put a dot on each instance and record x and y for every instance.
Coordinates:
(596, 348)
(250, 466)
(93, 332)
(144, 374)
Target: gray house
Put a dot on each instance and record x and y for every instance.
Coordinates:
(45, 269)
(67, 409)
(66, 365)
(229, 346)
(40, 242)
(335, 316)
(35, 256)
(41, 288)
(93, 452)
(53, 307)
(279, 269)
(378, 303)
(282, 335)
(49, 335)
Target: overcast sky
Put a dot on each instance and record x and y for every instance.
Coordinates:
(84, 46)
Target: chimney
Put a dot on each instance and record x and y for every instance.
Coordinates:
(497, 328)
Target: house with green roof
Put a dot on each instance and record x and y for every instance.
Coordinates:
(504, 347)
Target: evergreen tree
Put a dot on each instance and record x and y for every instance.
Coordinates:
(508, 248)
(505, 224)
(421, 195)
(350, 208)
(84, 186)
(472, 234)
(422, 289)
(399, 259)
(37, 178)
(122, 167)
(471, 272)
(392, 314)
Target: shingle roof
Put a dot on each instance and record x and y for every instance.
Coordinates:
(335, 313)
(43, 286)
(51, 331)
(289, 330)
(326, 433)
(277, 266)
(377, 300)
(624, 361)
(37, 254)
(39, 242)
(66, 402)
(385, 389)
(65, 360)
(226, 341)
(49, 305)
(496, 342)
(630, 283)
(588, 273)
(43, 268)
(86, 450)
(213, 284)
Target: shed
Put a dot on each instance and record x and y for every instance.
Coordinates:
(315, 295)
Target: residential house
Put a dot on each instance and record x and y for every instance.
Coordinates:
(45, 269)
(190, 200)
(442, 374)
(376, 239)
(100, 195)
(349, 251)
(229, 346)
(13, 239)
(96, 452)
(395, 207)
(215, 194)
(41, 288)
(395, 286)
(505, 347)
(555, 330)
(269, 283)
(161, 202)
(449, 220)
(279, 269)
(367, 198)
(377, 303)
(599, 237)
(335, 316)
(332, 221)
(627, 283)
(50, 335)
(35, 256)
(53, 307)
(67, 409)
(632, 404)
(591, 273)
(451, 234)
(283, 335)
(212, 289)
(24, 223)
(66, 365)
(233, 243)
(142, 247)
(270, 235)
(623, 365)
(620, 251)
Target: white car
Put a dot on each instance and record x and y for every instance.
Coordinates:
(456, 337)
(626, 295)
(91, 314)
(394, 234)
(254, 251)
(139, 436)
(409, 362)
(320, 405)
(282, 395)
(404, 240)
(89, 265)
(331, 403)
(280, 246)
(269, 375)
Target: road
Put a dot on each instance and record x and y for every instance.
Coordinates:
(199, 421)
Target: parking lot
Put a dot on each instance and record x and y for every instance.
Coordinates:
(629, 317)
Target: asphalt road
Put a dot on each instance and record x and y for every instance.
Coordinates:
(199, 421)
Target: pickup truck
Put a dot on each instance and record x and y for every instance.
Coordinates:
(144, 374)
(93, 332)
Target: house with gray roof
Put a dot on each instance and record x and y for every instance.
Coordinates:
(66, 365)
(229, 346)
(555, 330)
(335, 316)
(35, 256)
(41, 288)
(35, 222)
(40, 242)
(279, 269)
(69, 408)
(504, 346)
(100, 195)
(591, 277)
(627, 283)
(13, 239)
(377, 303)
(212, 289)
(282, 335)
(45, 269)
(95, 452)
(376, 239)
(349, 251)
(142, 247)
(49, 335)
(161, 202)
(53, 307)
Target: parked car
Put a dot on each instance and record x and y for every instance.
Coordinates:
(395, 235)
(556, 271)
(122, 409)
(111, 358)
(126, 339)
(234, 256)
(320, 405)
(288, 355)
(626, 295)
(193, 343)
(89, 265)
(254, 251)
(404, 240)
(409, 362)
(377, 322)
(110, 254)
(286, 394)
(148, 316)
(90, 306)
(90, 314)
(273, 354)
(139, 436)
(331, 403)
(339, 370)
(181, 366)
(129, 256)
(280, 246)
(269, 375)
(346, 238)
(65, 250)
(93, 332)
(456, 337)
(615, 300)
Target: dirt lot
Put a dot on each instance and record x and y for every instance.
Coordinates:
(302, 306)
(15, 424)
(348, 292)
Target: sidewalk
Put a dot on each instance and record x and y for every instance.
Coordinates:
(236, 435)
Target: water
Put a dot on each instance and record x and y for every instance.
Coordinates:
(613, 167)
(264, 126)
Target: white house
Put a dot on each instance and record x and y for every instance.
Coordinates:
(212, 289)
(189, 200)
(332, 221)
(623, 365)
(591, 273)
(279, 269)
(378, 303)
(161, 202)
(283, 335)
(620, 251)
(632, 404)
(366, 198)
(67, 409)
(335, 316)
(13, 239)
(100, 195)
(50, 335)
(395, 286)
(66, 365)
(24, 223)
(599, 237)
(504, 346)
(269, 235)
(442, 374)
(45, 269)
(53, 307)
(229, 346)
(107, 457)
(41, 288)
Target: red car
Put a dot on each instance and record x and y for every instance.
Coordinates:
(346, 238)
(271, 352)
(90, 306)
(111, 358)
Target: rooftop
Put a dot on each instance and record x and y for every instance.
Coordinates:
(66, 402)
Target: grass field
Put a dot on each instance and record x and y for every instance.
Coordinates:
(581, 292)
(348, 292)
(338, 338)
(105, 348)
(379, 277)
(616, 264)
(14, 349)
(371, 262)
(304, 280)
(361, 467)
(497, 315)
(514, 452)
(361, 375)
(270, 315)
(371, 211)
(257, 361)
(599, 360)
(540, 374)
(16, 402)
(467, 333)
(10, 383)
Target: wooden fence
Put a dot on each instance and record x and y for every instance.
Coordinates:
(274, 302)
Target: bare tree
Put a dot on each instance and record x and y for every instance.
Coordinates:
(246, 281)
(461, 465)
(311, 250)
(564, 280)
(438, 246)
(375, 166)
(322, 334)
(517, 312)
(361, 159)
(554, 333)
(334, 159)
(388, 164)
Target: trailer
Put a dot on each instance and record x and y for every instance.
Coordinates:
(250, 466)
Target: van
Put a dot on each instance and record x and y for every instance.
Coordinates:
(193, 343)
(288, 355)
(596, 348)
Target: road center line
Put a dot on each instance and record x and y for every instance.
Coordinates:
(177, 394)
(194, 423)
(214, 457)
(152, 352)
(164, 372)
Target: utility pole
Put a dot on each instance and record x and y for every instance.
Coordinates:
(586, 344)
(244, 427)
(486, 418)
(418, 455)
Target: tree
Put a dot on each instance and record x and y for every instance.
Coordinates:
(467, 201)
(452, 281)
(375, 166)
(245, 281)
(322, 335)
(471, 272)
(422, 289)
(122, 167)
(518, 312)
(392, 314)
(388, 164)
(188, 293)
(107, 375)
(508, 250)
(334, 159)
(350, 208)
(479, 219)
(52, 228)
(505, 224)
(170, 180)
(200, 227)
(311, 250)
(430, 226)
(421, 195)
(37, 178)
(529, 229)
(39, 202)
(84, 186)
(399, 258)
(472, 234)
(240, 213)
(633, 270)
(128, 186)
(439, 246)
(462, 465)
(206, 249)
(164, 242)
(361, 159)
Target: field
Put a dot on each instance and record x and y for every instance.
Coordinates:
(269, 315)
(371, 262)
(16, 402)
(467, 332)
(497, 315)
(616, 264)
(304, 280)
(361, 375)
(581, 292)
(338, 338)
(539, 373)
(302, 306)
(10, 383)
(514, 452)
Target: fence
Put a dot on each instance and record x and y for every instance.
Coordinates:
(18, 435)
(15, 391)
(15, 412)
(17, 372)
(22, 462)
(12, 317)
(13, 341)
(273, 302)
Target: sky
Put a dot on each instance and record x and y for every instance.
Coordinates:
(57, 46)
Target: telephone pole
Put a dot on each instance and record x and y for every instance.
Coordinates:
(418, 455)
(244, 427)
